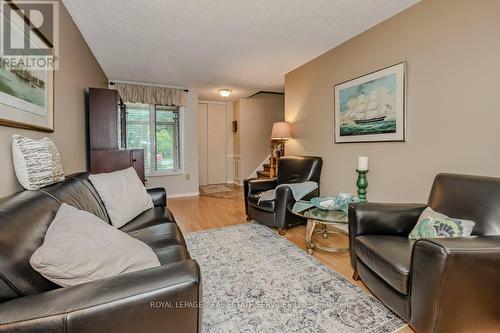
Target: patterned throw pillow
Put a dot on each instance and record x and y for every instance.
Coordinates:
(432, 224)
(36, 162)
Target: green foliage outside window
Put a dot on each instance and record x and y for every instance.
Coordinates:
(162, 149)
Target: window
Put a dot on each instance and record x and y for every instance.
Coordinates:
(157, 130)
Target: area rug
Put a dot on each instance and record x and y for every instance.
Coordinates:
(222, 191)
(257, 281)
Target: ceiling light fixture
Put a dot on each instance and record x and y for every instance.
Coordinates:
(225, 92)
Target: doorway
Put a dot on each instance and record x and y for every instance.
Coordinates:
(212, 143)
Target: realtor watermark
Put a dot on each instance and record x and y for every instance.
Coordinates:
(157, 305)
(29, 35)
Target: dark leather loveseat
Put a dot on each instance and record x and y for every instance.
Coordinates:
(291, 169)
(437, 285)
(162, 299)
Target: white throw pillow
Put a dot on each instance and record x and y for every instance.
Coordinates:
(37, 163)
(79, 247)
(123, 194)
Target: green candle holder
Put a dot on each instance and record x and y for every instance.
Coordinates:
(362, 184)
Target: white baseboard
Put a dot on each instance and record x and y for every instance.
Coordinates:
(235, 183)
(182, 195)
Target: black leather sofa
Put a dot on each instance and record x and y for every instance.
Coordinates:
(437, 285)
(162, 299)
(291, 169)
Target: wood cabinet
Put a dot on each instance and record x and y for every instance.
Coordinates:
(104, 105)
(109, 160)
(105, 155)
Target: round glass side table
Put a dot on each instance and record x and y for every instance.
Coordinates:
(328, 221)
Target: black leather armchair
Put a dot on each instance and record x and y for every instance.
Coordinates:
(291, 169)
(437, 285)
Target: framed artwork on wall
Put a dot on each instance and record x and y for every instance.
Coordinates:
(26, 90)
(371, 108)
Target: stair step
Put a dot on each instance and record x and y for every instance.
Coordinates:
(263, 174)
(267, 167)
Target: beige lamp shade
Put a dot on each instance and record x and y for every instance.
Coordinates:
(281, 131)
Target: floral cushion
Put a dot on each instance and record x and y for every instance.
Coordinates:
(432, 224)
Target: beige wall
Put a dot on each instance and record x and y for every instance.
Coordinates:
(236, 136)
(452, 51)
(229, 143)
(78, 71)
(257, 115)
(236, 162)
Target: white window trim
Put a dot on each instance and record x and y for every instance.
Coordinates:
(181, 171)
(166, 174)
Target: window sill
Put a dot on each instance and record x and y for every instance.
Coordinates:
(163, 174)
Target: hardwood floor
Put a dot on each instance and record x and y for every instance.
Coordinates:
(201, 213)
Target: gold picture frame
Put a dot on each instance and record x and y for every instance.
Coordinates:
(26, 95)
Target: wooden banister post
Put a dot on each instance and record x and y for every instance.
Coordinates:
(272, 169)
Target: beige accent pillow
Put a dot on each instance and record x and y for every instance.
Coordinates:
(37, 163)
(79, 247)
(123, 194)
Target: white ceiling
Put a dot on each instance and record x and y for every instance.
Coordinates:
(245, 45)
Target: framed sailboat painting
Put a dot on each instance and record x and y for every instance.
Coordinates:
(371, 108)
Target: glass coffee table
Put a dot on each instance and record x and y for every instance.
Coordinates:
(328, 221)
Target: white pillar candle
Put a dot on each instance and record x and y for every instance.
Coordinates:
(363, 163)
